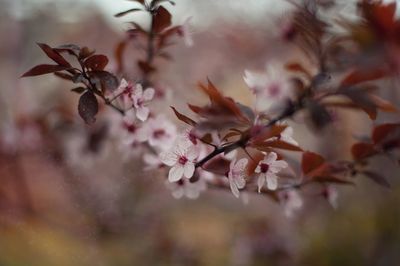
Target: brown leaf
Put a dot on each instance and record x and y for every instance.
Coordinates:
(44, 69)
(362, 150)
(311, 161)
(145, 67)
(362, 75)
(184, 118)
(96, 62)
(54, 55)
(88, 107)
(279, 144)
(161, 20)
(260, 134)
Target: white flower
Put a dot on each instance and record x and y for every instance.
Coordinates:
(140, 99)
(186, 33)
(292, 202)
(186, 188)
(267, 170)
(124, 93)
(159, 132)
(129, 129)
(236, 175)
(272, 88)
(182, 160)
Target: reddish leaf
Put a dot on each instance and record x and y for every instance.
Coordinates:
(161, 20)
(145, 67)
(363, 75)
(382, 104)
(362, 150)
(299, 68)
(382, 131)
(377, 178)
(72, 49)
(279, 144)
(44, 69)
(260, 134)
(184, 118)
(54, 55)
(88, 107)
(195, 109)
(85, 52)
(311, 161)
(96, 62)
(78, 90)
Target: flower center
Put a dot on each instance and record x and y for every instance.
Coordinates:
(264, 167)
(193, 138)
(274, 90)
(129, 127)
(183, 160)
(158, 133)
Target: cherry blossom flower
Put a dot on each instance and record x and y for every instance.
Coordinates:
(267, 170)
(236, 175)
(272, 87)
(187, 188)
(158, 132)
(186, 33)
(292, 202)
(182, 160)
(140, 99)
(129, 128)
(124, 93)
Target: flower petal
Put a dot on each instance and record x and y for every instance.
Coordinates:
(272, 181)
(234, 189)
(176, 173)
(142, 113)
(148, 94)
(168, 158)
(260, 182)
(188, 170)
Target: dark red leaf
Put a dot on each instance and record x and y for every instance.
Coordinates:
(145, 67)
(161, 20)
(96, 62)
(54, 55)
(64, 76)
(88, 107)
(44, 69)
(279, 144)
(311, 161)
(78, 90)
(85, 52)
(362, 150)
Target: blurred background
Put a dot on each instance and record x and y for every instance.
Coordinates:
(60, 205)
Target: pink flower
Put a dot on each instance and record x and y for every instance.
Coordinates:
(182, 160)
(267, 170)
(124, 93)
(292, 202)
(272, 88)
(159, 132)
(129, 129)
(236, 175)
(140, 100)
